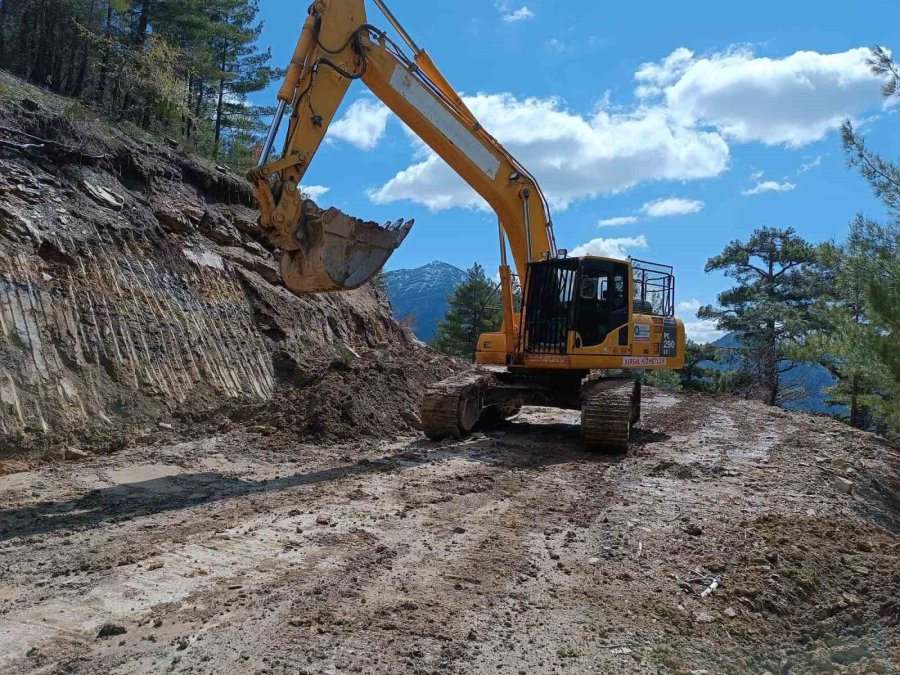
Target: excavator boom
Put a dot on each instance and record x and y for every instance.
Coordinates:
(337, 46)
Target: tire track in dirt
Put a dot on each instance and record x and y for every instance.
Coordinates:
(513, 550)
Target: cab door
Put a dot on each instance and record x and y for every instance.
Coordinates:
(602, 302)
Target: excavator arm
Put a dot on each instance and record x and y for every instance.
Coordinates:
(337, 46)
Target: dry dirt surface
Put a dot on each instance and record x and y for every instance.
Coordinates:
(513, 551)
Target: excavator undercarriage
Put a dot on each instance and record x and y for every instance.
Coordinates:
(610, 407)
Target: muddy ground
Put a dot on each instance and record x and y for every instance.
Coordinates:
(511, 552)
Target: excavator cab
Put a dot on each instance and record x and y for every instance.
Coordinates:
(587, 297)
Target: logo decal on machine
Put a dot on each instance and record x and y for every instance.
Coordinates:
(548, 358)
(643, 361)
(641, 332)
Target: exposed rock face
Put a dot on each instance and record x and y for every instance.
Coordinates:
(134, 284)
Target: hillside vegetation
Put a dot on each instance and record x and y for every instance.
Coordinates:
(178, 68)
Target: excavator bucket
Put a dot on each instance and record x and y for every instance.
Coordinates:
(337, 252)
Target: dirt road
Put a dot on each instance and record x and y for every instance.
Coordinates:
(511, 552)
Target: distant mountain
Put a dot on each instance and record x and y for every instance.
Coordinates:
(422, 293)
(811, 378)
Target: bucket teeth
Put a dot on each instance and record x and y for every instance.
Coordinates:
(336, 252)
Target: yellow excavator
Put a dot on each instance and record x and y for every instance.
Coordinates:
(580, 318)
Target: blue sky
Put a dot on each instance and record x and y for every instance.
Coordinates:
(658, 129)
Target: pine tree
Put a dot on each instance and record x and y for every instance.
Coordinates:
(474, 309)
(875, 248)
(845, 339)
(242, 68)
(769, 309)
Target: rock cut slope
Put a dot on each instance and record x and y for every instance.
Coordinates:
(135, 286)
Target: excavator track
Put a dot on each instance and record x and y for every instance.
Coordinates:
(609, 409)
(453, 406)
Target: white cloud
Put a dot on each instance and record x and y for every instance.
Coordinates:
(691, 307)
(363, 125)
(618, 221)
(655, 76)
(697, 330)
(686, 108)
(574, 157)
(558, 45)
(793, 100)
(703, 331)
(609, 248)
(518, 14)
(769, 186)
(314, 192)
(662, 208)
(812, 164)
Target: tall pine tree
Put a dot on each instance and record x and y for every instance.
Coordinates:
(846, 341)
(242, 68)
(875, 247)
(770, 308)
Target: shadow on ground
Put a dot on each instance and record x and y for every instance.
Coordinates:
(515, 445)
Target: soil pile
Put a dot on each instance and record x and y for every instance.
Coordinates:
(135, 287)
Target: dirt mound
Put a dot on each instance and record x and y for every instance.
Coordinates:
(370, 392)
(136, 288)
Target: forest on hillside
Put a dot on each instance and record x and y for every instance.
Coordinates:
(177, 68)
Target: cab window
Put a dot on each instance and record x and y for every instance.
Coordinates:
(589, 288)
(620, 297)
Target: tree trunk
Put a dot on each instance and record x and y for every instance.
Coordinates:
(62, 62)
(23, 44)
(856, 416)
(770, 364)
(186, 116)
(198, 104)
(219, 115)
(78, 85)
(139, 36)
(774, 390)
(115, 92)
(201, 90)
(40, 72)
(4, 12)
(220, 104)
(859, 414)
(104, 66)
